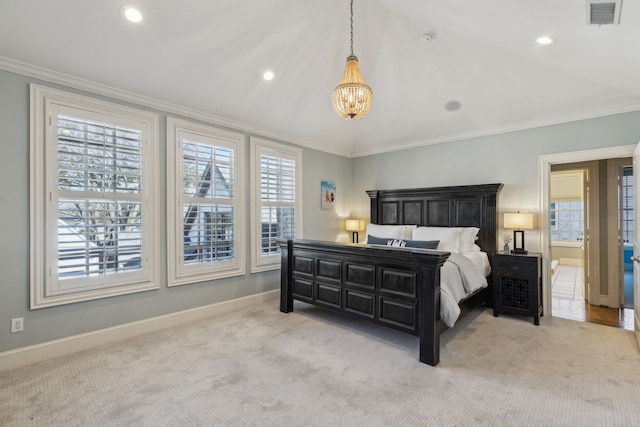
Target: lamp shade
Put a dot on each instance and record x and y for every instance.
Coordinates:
(354, 225)
(518, 221)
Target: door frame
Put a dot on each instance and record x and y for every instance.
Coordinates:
(591, 242)
(636, 246)
(614, 238)
(544, 178)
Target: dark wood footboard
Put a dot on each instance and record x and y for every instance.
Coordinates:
(396, 287)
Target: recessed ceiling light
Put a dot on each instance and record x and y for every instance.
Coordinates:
(268, 75)
(131, 13)
(453, 105)
(545, 40)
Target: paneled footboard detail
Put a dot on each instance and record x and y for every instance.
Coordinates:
(395, 287)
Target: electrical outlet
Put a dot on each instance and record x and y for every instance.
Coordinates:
(17, 324)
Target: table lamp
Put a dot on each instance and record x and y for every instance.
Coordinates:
(519, 222)
(354, 225)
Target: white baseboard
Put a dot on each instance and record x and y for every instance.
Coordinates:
(39, 352)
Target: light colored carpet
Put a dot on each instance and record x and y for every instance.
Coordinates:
(313, 368)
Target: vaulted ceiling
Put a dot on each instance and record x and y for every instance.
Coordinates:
(482, 72)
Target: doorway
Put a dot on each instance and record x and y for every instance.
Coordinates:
(568, 227)
(598, 286)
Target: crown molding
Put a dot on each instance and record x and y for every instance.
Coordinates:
(514, 127)
(62, 79)
(50, 76)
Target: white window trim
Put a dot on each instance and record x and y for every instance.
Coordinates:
(42, 189)
(258, 146)
(553, 227)
(178, 273)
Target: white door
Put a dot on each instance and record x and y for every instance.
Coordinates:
(587, 256)
(636, 241)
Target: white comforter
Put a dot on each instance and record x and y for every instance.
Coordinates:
(460, 276)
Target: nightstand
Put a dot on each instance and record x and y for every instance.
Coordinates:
(517, 285)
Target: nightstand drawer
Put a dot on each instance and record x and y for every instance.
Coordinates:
(517, 264)
(508, 266)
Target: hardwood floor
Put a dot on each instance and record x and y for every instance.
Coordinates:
(567, 290)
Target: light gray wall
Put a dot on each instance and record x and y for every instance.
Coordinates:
(510, 158)
(57, 322)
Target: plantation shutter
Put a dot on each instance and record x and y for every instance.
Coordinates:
(628, 228)
(278, 201)
(208, 209)
(99, 203)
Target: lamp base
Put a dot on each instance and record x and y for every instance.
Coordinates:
(518, 242)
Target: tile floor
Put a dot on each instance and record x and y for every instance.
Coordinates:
(568, 283)
(567, 291)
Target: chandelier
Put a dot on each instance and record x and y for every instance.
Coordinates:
(352, 97)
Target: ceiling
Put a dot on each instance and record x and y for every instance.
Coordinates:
(209, 56)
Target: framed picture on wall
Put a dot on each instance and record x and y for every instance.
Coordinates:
(327, 194)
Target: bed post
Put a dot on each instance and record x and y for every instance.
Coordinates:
(373, 195)
(429, 312)
(286, 269)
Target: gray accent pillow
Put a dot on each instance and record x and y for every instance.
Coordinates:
(423, 244)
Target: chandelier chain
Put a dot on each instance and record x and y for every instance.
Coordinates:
(351, 27)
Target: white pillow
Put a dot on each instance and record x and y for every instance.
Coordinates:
(408, 231)
(467, 239)
(448, 237)
(475, 248)
(402, 232)
(452, 239)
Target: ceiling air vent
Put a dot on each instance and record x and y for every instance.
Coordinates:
(603, 12)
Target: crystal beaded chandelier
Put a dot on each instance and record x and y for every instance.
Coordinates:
(352, 97)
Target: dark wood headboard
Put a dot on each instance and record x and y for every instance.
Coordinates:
(459, 206)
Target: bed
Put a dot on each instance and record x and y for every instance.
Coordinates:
(399, 287)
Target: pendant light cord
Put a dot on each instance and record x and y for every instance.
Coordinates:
(351, 27)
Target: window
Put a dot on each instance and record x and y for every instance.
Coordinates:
(93, 224)
(276, 200)
(627, 204)
(567, 220)
(206, 203)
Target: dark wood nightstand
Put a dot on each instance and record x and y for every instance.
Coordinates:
(517, 285)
